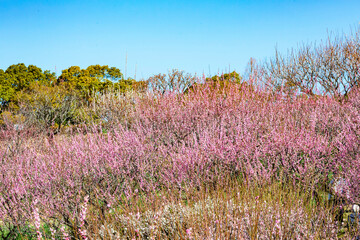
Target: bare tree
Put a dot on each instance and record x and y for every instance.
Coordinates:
(329, 68)
(174, 81)
(49, 107)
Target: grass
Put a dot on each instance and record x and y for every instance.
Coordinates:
(236, 210)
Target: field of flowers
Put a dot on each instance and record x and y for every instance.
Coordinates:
(229, 163)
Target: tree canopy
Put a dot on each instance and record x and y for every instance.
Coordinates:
(19, 77)
(95, 79)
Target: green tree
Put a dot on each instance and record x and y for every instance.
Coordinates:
(232, 77)
(6, 90)
(95, 79)
(219, 82)
(19, 77)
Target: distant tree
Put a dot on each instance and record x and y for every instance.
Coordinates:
(6, 89)
(232, 77)
(95, 79)
(85, 81)
(69, 76)
(114, 74)
(19, 78)
(140, 86)
(48, 107)
(124, 85)
(331, 68)
(174, 81)
(219, 81)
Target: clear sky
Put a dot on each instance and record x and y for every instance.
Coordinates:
(156, 36)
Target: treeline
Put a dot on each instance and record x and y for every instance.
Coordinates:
(40, 98)
(33, 97)
(36, 97)
(21, 79)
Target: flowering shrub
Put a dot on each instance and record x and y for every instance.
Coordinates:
(182, 143)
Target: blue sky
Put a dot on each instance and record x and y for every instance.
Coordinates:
(195, 36)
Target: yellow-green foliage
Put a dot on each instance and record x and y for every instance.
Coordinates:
(232, 77)
(46, 101)
(94, 79)
(19, 78)
(47, 106)
(220, 83)
(7, 117)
